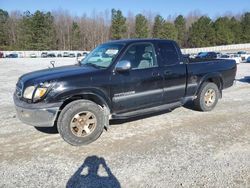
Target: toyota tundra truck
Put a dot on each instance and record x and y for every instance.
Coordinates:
(118, 80)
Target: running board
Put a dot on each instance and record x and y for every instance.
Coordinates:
(147, 111)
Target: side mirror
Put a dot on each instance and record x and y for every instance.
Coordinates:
(123, 66)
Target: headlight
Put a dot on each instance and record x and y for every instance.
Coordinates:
(40, 92)
(28, 92)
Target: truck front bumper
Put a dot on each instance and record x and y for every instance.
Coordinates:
(38, 115)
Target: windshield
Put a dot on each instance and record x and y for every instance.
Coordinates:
(103, 55)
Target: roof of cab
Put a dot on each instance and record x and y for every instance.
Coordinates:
(128, 41)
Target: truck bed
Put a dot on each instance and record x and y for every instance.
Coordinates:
(199, 69)
(201, 60)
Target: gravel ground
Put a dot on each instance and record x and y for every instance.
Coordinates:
(184, 148)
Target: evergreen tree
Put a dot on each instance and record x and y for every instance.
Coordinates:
(37, 31)
(157, 27)
(163, 29)
(245, 22)
(26, 33)
(75, 37)
(42, 27)
(235, 27)
(224, 34)
(4, 29)
(118, 25)
(168, 31)
(202, 33)
(180, 25)
(141, 26)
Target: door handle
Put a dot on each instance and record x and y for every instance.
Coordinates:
(167, 72)
(155, 74)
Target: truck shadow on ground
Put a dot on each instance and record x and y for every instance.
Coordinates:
(246, 79)
(190, 105)
(48, 130)
(88, 175)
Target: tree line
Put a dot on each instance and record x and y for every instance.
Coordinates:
(58, 30)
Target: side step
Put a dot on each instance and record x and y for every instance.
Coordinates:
(146, 111)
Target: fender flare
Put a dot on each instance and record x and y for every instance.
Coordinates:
(214, 77)
(93, 94)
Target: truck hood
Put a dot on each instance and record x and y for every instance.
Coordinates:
(55, 73)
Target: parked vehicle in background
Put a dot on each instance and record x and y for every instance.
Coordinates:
(129, 78)
(51, 55)
(243, 55)
(78, 54)
(44, 54)
(207, 55)
(218, 54)
(248, 60)
(1, 55)
(235, 57)
(33, 55)
(65, 54)
(72, 55)
(59, 55)
(242, 52)
(12, 55)
(82, 56)
(191, 55)
(85, 53)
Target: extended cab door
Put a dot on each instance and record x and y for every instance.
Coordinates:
(140, 87)
(173, 69)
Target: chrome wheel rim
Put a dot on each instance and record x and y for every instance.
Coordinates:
(209, 97)
(83, 124)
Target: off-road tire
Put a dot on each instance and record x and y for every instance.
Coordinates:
(69, 111)
(199, 102)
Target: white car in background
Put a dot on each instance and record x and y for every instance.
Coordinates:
(82, 56)
(235, 57)
(244, 55)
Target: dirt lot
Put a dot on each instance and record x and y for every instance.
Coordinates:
(184, 148)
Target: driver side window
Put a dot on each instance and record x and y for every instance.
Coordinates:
(141, 56)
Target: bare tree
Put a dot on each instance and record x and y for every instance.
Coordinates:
(130, 22)
(192, 17)
(150, 18)
(13, 24)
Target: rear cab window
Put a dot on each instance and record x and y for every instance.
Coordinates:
(167, 53)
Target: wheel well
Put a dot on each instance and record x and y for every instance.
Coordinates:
(89, 97)
(217, 81)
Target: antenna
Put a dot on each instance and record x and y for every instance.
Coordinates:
(52, 63)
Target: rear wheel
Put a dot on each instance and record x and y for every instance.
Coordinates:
(81, 122)
(207, 97)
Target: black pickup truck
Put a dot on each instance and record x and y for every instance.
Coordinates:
(117, 80)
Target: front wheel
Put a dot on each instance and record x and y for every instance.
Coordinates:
(81, 122)
(207, 97)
